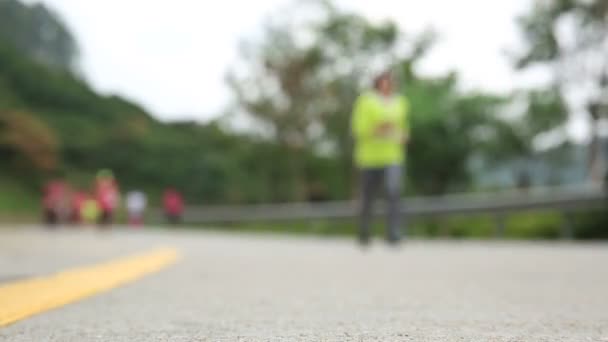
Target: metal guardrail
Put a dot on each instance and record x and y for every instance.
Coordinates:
(563, 199)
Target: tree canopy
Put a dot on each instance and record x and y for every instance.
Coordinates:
(298, 81)
(570, 38)
(39, 33)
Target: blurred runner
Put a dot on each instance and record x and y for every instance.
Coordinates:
(380, 128)
(90, 210)
(83, 210)
(136, 206)
(77, 202)
(107, 195)
(173, 205)
(55, 202)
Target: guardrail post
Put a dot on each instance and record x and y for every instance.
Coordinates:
(567, 228)
(499, 221)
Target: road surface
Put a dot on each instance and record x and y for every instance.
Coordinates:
(229, 287)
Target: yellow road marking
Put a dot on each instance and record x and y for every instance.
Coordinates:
(22, 299)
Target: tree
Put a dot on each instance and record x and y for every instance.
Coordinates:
(304, 76)
(449, 128)
(571, 38)
(28, 143)
(39, 33)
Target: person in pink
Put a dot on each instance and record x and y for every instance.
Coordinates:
(107, 195)
(173, 205)
(55, 202)
(78, 200)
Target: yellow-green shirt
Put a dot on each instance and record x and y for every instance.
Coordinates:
(371, 111)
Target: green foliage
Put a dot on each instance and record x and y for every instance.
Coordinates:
(540, 225)
(38, 33)
(69, 126)
(15, 198)
(569, 37)
(306, 99)
(589, 20)
(592, 225)
(546, 111)
(299, 83)
(445, 124)
(26, 142)
(535, 225)
(307, 91)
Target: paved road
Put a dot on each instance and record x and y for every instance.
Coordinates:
(261, 288)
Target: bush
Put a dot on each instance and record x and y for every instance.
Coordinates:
(592, 225)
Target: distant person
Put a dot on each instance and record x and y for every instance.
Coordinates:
(381, 130)
(55, 202)
(90, 211)
(107, 195)
(77, 203)
(173, 205)
(136, 207)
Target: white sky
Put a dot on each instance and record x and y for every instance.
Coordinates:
(171, 55)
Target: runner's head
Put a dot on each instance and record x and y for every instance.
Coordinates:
(105, 174)
(384, 83)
